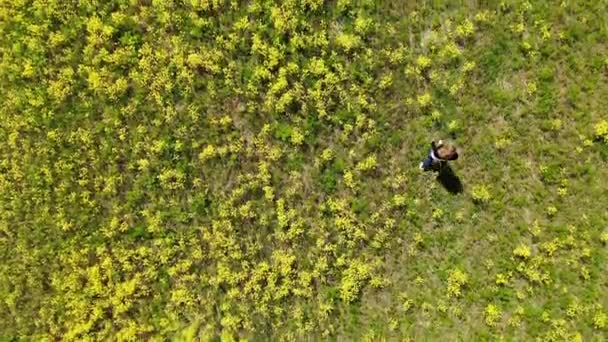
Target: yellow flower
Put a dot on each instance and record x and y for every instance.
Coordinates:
(367, 164)
(518, 28)
(296, 137)
(468, 66)
(466, 29)
(349, 179)
(423, 62)
(480, 194)
(143, 164)
(600, 320)
(492, 315)
(456, 280)
(362, 24)
(522, 251)
(531, 88)
(347, 41)
(327, 154)
(399, 200)
(601, 130)
(424, 100)
(207, 153)
(386, 81)
(483, 16)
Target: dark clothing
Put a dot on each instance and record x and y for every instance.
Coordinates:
(433, 162)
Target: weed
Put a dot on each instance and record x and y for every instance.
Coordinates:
(247, 170)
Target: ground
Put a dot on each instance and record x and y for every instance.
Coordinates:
(248, 170)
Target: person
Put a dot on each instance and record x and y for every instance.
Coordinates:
(439, 155)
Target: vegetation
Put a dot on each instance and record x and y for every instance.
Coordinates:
(213, 169)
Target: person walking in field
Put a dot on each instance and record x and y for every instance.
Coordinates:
(439, 155)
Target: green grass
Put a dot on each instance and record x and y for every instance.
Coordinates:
(248, 170)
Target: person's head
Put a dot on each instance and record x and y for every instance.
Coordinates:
(446, 151)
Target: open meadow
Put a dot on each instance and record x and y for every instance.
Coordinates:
(215, 170)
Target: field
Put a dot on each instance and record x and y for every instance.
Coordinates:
(248, 170)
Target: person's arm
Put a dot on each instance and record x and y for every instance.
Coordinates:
(436, 145)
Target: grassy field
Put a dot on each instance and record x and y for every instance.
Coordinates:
(248, 170)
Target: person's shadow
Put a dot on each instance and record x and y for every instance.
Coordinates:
(450, 180)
